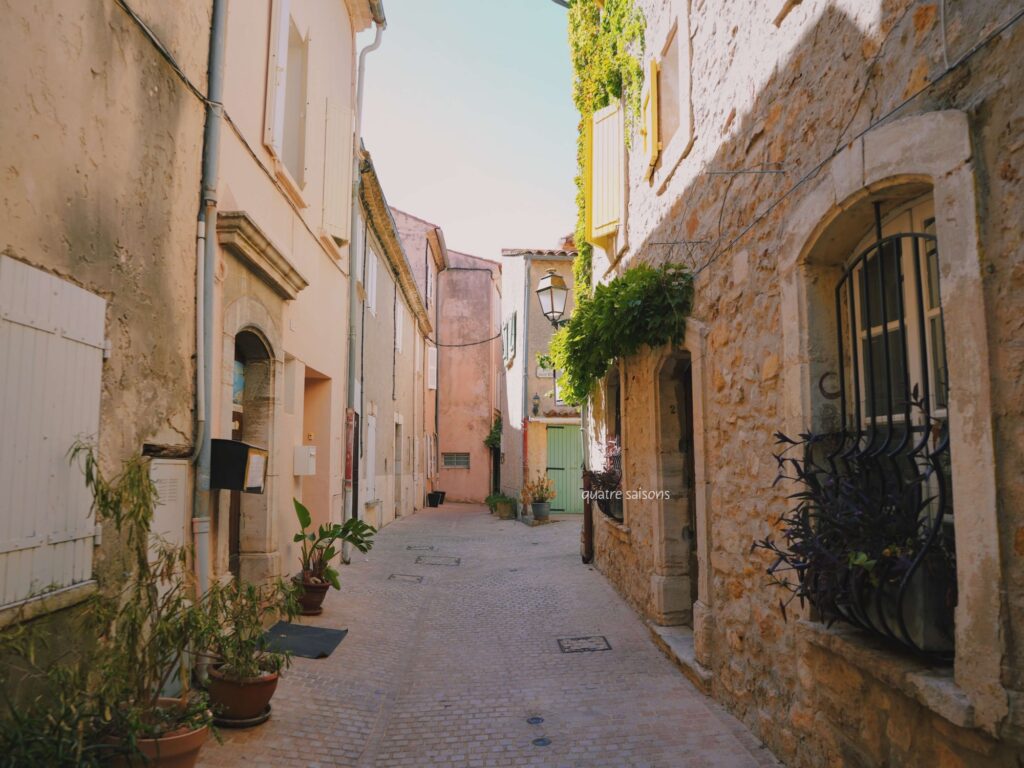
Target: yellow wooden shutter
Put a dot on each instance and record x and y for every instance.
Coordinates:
(607, 171)
(652, 141)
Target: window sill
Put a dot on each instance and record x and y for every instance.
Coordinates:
(50, 602)
(617, 530)
(931, 687)
(288, 184)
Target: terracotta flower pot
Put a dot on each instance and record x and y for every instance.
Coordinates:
(240, 699)
(177, 749)
(311, 598)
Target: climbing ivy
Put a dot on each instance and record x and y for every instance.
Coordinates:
(493, 439)
(645, 305)
(606, 46)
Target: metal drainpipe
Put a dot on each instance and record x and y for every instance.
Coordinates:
(206, 239)
(524, 362)
(353, 294)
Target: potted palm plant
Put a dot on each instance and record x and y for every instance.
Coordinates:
(244, 674)
(319, 548)
(538, 494)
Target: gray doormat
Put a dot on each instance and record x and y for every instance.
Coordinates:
(305, 641)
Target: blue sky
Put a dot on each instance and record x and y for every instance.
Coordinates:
(468, 116)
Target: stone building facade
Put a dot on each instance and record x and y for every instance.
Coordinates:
(794, 136)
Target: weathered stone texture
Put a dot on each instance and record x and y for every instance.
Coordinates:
(797, 95)
(100, 149)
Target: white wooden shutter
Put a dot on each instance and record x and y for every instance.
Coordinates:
(399, 325)
(338, 161)
(432, 368)
(371, 284)
(277, 67)
(51, 362)
(607, 170)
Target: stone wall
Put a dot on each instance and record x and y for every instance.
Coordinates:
(798, 95)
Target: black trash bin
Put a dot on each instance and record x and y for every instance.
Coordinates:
(433, 499)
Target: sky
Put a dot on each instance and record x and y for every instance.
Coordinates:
(468, 116)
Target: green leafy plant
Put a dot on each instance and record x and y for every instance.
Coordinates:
(606, 48)
(493, 439)
(239, 611)
(539, 490)
(319, 548)
(98, 701)
(644, 306)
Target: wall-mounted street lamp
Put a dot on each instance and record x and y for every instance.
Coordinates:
(552, 293)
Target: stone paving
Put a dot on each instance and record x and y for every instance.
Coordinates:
(448, 671)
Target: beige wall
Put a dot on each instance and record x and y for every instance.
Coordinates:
(309, 328)
(100, 146)
(817, 696)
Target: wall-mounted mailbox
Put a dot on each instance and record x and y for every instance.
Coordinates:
(237, 466)
(305, 460)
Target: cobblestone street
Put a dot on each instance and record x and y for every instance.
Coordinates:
(454, 620)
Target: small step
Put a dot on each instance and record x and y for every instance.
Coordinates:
(677, 644)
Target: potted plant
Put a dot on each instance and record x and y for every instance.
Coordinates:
(505, 506)
(244, 675)
(538, 494)
(865, 533)
(318, 550)
(606, 483)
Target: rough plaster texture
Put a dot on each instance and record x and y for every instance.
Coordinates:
(469, 303)
(100, 147)
(796, 95)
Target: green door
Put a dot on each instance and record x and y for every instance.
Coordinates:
(565, 464)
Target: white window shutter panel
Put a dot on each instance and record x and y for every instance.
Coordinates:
(277, 66)
(338, 161)
(432, 368)
(51, 353)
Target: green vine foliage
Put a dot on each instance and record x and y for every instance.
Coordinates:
(606, 46)
(493, 439)
(644, 306)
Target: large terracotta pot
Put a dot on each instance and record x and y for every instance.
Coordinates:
(240, 699)
(506, 510)
(311, 596)
(177, 749)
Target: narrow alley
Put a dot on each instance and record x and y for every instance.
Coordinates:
(455, 619)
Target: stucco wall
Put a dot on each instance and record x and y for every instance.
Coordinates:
(794, 95)
(469, 304)
(100, 146)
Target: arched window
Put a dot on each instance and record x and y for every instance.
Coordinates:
(892, 447)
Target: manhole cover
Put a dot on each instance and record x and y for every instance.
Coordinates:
(420, 547)
(437, 560)
(543, 742)
(583, 644)
(405, 577)
(535, 720)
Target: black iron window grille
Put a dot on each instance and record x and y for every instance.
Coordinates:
(892, 445)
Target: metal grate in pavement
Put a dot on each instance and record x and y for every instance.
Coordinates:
(438, 560)
(583, 644)
(420, 547)
(405, 577)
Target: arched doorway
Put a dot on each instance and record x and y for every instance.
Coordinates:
(251, 415)
(676, 570)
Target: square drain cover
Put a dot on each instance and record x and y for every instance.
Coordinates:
(420, 547)
(583, 644)
(437, 560)
(405, 577)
